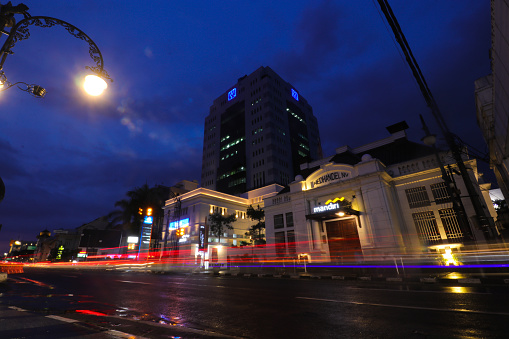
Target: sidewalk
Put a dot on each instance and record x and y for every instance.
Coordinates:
(19, 323)
(452, 278)
(494, 273)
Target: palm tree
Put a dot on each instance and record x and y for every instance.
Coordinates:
(128, 217)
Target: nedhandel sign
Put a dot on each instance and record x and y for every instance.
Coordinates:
(330, 178)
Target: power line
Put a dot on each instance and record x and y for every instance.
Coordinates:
(484, 222)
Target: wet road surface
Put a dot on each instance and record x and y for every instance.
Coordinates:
(210, 306)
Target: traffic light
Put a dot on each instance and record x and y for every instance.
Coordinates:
(149, 211)
(181, 232)
(140, 211)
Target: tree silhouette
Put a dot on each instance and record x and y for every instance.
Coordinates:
(256, 231)
(219, 222)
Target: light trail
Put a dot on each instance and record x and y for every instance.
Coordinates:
(279, 255)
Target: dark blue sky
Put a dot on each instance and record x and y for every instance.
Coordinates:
(65, 159)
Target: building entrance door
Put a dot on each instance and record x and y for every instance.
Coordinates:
(343, 238)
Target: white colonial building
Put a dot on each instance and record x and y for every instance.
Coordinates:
(187, 237)
(383, 199)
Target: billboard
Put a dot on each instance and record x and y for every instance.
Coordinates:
(178, 224)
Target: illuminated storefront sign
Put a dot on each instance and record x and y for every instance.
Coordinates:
(184, 238)
(131, 243)
(330, 178)
(179, 223)
(330, 205)
(148, 220)
(82, 255)
(132, 240)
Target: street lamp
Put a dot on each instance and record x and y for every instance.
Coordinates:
(94, 83)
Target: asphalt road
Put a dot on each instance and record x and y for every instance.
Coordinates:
(262, 307)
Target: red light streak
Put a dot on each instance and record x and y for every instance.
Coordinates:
(271, 255)
(91, 313)
(37, 282)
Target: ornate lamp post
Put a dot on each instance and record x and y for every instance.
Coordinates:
(94, 83)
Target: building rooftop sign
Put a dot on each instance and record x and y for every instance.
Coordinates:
(295, 94)
(232, 94)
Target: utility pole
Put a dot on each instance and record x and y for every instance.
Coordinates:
(483, 222)
(450, 185)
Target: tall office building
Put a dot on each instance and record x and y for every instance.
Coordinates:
(257, 133)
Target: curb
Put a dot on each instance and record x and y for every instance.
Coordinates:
(422, 280)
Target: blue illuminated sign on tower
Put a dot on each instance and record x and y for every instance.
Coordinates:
(232, 94)
(295, 95)
(145, 235)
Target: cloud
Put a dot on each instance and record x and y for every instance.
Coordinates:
(11, 163)
(70, 194)
(314, 40)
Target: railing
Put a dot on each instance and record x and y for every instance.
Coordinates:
(11, 268)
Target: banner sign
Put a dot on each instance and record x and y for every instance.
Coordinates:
(202, 238)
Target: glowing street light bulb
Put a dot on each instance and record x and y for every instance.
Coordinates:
(94, 85)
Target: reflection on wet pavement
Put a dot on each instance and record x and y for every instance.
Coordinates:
(454, 275)
(66, 303)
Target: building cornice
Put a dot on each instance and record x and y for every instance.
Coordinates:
(205, 192)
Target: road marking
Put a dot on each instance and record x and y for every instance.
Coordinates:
(17, 308)
(417, 291)
(119, 334)
(461, 310)
(67, 320)
(114, 333)
(134, 282)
